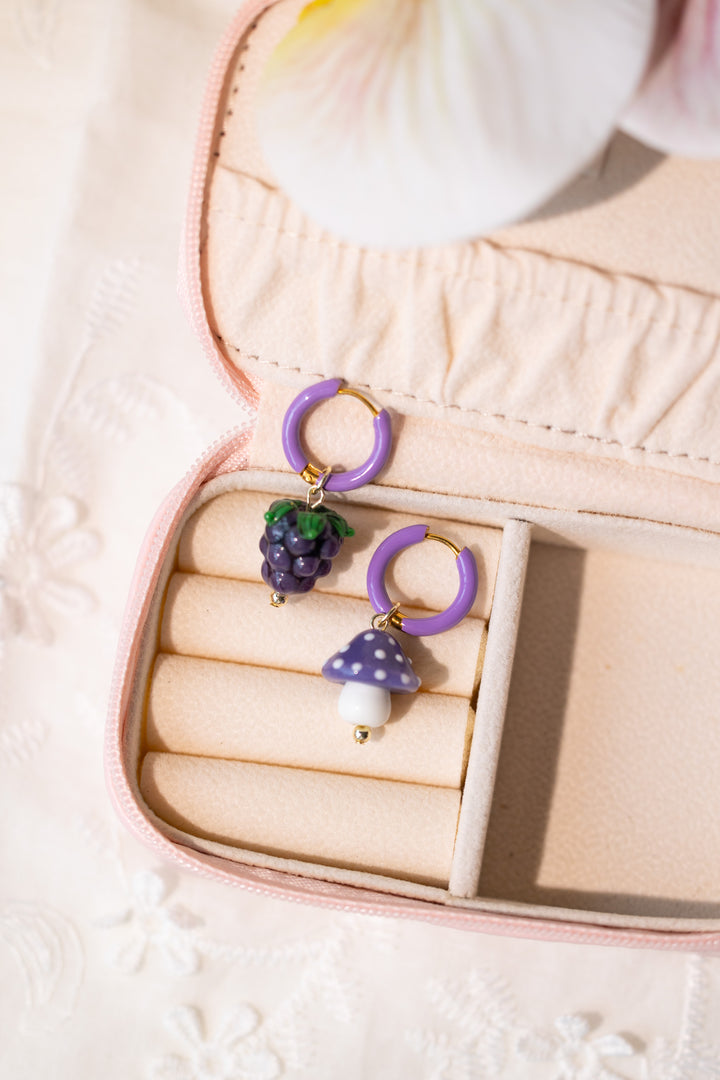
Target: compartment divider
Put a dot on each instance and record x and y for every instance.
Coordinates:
(490, 712)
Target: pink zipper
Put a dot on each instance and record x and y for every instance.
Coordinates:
(239, 385)
(229, 453)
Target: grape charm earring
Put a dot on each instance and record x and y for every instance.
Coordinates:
(302, 536)
(373, 665)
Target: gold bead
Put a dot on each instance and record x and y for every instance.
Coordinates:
(361, 734)
(277, 599)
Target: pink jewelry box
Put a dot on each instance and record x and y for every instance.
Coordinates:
(543, 384)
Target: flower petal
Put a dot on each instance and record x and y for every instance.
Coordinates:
(185, 1021)
(404, 122)
(573, 1028)
(613, 1046)
(112, 919)
(149, 888)
(237, 1024)
(72, 547)
(55, 516)
(129, 957)
(68, 597)
(678, 107)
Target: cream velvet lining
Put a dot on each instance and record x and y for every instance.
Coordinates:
(244, 687)
(605, 807)
(544, 350)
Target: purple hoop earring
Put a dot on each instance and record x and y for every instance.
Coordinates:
(373, 665)
(340, 481)
(302, 537)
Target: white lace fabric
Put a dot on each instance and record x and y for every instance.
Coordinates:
(110, 963)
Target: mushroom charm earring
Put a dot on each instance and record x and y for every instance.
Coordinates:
(302, 536)
(373, 665)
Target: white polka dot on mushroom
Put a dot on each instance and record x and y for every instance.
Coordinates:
(337, 663)
(379, 654)
(380, 674)
(368, 637)
(345, 648)
(405, 679)
(398, 657)
(355, 668)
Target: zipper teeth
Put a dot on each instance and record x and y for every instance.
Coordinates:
(246, 395)
(236, 382)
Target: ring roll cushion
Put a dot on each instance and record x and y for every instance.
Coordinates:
(405, 830)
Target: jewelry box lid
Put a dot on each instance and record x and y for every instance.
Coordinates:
(590, 332)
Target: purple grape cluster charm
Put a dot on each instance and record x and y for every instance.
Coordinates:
(303, 537)
(298, 546)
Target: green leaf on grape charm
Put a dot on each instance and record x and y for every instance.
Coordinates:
(298, 546)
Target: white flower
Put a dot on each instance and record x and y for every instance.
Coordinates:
(406, 122)
(677, 109)
(39, 539)
(234, 1054)
(155, 925)
(575, 1056)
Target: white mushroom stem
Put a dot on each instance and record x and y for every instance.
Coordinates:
(361, 703)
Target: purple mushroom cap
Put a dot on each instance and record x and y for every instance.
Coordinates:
(373, 657)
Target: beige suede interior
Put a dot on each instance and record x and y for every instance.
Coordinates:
(555, 403)
(606, 791)
(604, 806)
(236, 701)
(351, 821)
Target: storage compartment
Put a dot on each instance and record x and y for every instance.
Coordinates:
(606, 797)
(603, 806)
(242, 745)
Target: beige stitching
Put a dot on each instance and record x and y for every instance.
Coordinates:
(589, 305)
(236, 86)
(477, 412)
